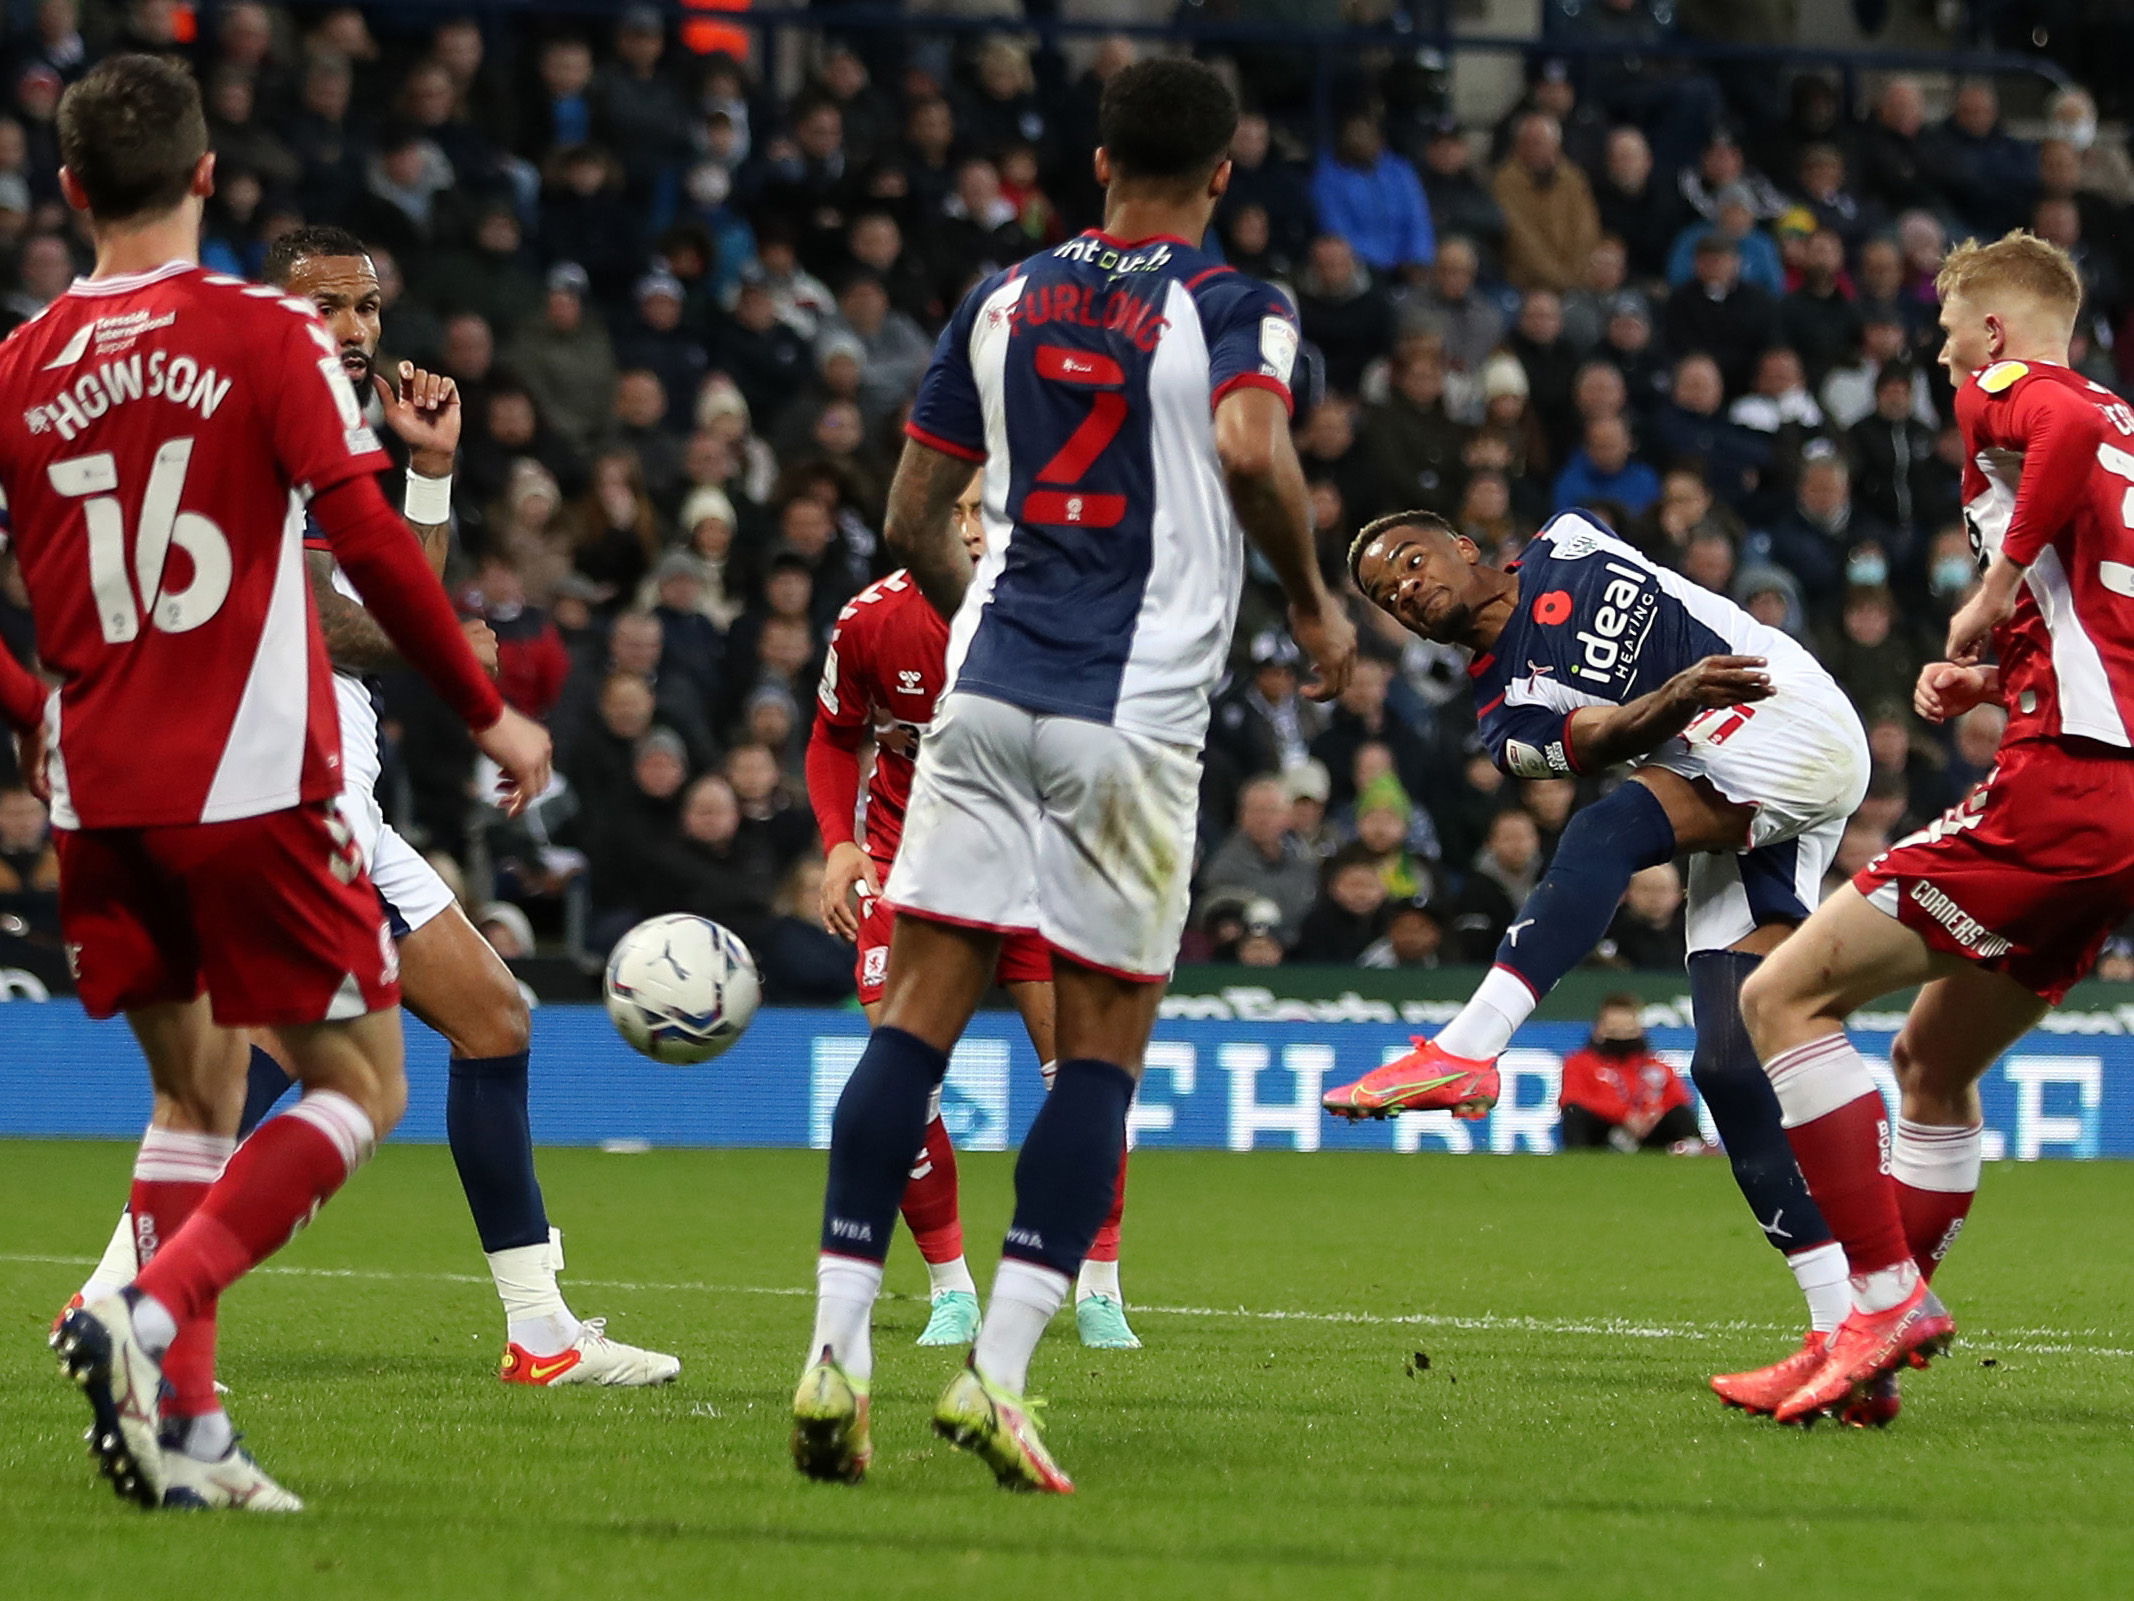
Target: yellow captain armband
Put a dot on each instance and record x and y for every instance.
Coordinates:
(2001, 375)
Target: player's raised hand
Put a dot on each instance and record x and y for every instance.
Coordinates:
(482, 639)
(846, 868)
(1720, 681)
(1946, 690)
(520, 746)
(423, 410)
(1326, 635)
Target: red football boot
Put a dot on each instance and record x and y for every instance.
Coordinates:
(1878, 1408)
(1765, 1390)
(1425, 1080)
(1868, 1345)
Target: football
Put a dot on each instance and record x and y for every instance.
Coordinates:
(681, 989)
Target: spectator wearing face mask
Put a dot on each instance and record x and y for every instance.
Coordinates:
(1617, 1095)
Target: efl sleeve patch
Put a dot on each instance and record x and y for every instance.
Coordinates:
(2001, 375)
(1278, 347)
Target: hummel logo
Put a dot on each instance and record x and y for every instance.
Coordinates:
(908, 682)
(1772, 1228)
(1512, 933)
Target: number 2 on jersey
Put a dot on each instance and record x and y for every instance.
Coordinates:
(94, 480)
(1107, 415)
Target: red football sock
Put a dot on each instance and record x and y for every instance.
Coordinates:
(1935, 1170)
(1839, 1130)
(1105, 1248)
(930, 1199)
(273, 1186)
(171, 1177)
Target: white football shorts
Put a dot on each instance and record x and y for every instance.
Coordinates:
(1081, 831)
(408, 885)
(1800, 758)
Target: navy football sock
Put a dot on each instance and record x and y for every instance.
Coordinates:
(880, 1122)
(1570, 909)
(265, 1083)
(1744, 1107)
(492, 1146)
(1069, 1165)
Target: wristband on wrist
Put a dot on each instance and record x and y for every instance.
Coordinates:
(428, 500)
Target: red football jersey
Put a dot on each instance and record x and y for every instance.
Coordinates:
(160, 434)
(887, 661)
(2049, 481)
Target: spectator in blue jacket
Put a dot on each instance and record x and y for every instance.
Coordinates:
(1373, 199)
(1604, 469)
(1760, 264)
(1988, 174)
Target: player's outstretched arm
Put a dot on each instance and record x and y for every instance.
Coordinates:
(920, 530)
(834, 793)
(1601, 736)
(1266, 483)
(354, 641)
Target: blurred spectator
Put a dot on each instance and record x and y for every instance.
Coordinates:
(1603, 469)
(1989, 176)
(1644, 213)
(1262, 859)
(1504, 873)
(639, 427)
(690, 642)
(635, 647)
(1734, 222)
(1773, 598)
(564, 359)
(1342, 311)
(1848, 390)
(2107, 170)
(1690, 427)
(507, 929)
(1360, 716)
(1413, 446)
(1260, 177)
(1834, 206)
(894, 349)
(1868, 655)
(1895, 456)
(1646, 932)
(1818, 319)
(1722, 165)
(1467, 322)
(1550, 219)
(769, 814)
(763, 356)
(804, 964)
(406, 204)
(1684, 510)
(492, 276)
(1617, 1094)
(616, 535)
(1817, 534)
(1372, 198)
(531, 661)
(1587, 308)
(1716, 313)
(1385, 824)
(1628, 345)
(1308, 785)
(637, 107)
(1460, 203)
(1413, 938)
(1260, 722)
(1860, 844)
(1549, 363)
(1345, 919)
(1894, 168)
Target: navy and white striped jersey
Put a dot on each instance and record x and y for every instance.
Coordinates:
(1597, 624)
(1086, 379)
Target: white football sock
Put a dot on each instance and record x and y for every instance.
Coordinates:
(1486, 1024)
(954, 1275)
(208, 1437)
(845, 1291)
(153, 1326)
(536, 1318)
(1098, 1278)
(1927, 1156)
(1815, 1079)
(1879, 1291)
(1024, 1298)
(1826, 1280)
(117, 1266)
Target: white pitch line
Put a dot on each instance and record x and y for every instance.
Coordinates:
(2042, 1342)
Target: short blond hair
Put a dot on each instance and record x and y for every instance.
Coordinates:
(2017, 262)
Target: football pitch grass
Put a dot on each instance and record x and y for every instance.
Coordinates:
(1280, 1436)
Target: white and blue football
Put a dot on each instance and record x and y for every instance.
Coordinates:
(681, 989)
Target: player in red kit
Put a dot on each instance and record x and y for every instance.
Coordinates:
(2004, 902)
(162, 433)
(884, 669)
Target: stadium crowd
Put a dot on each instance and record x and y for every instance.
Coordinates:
(686, 315)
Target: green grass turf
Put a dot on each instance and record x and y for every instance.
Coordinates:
(1543, 1452)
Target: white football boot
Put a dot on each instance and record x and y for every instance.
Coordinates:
(592, 1358)
(233, 1481)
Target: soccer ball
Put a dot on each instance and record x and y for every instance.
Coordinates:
(681, 989)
